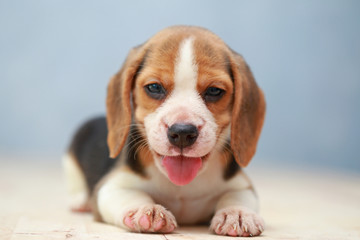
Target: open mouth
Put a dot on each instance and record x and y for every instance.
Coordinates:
(180, 169)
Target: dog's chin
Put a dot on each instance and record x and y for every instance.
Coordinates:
(180, 169)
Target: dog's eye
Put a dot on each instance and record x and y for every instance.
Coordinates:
(213, 94)
(155, 91)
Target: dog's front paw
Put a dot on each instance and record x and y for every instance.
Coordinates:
(150, 218)
(237, 221)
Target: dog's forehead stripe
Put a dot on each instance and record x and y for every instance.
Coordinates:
(185, 67)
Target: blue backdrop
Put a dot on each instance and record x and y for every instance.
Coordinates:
(56, 58)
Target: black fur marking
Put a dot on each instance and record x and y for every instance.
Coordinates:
(132, 146)
(89, 147)
(232, 167)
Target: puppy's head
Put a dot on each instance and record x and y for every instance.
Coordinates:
(190, 94)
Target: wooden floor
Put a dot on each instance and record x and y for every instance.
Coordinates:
(296, 204)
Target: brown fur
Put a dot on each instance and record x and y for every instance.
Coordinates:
(248, 112)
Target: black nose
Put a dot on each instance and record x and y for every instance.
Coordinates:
(182, 135)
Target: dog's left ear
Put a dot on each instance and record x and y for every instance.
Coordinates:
(118, 102)
(248, 111)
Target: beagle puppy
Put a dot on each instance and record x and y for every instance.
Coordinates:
(184, 115)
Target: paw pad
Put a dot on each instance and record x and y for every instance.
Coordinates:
(150, 218)
(237, 221)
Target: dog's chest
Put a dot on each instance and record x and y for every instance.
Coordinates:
(189, 210)
(192, 203)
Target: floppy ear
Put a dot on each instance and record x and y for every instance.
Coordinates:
(248, 112)
(118, 101)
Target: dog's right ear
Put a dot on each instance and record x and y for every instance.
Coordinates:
(118, 104)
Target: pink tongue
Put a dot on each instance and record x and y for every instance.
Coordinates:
(182, 170)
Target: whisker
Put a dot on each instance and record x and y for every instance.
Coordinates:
(224, 143)
(134, 139)
(142, 146)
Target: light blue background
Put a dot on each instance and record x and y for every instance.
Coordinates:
(56, 58)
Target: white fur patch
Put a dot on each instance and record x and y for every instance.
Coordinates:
(75, 183)
(185, 67)
(183, 105)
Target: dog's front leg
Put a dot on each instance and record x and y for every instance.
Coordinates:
(236, 215)
(133, 210)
